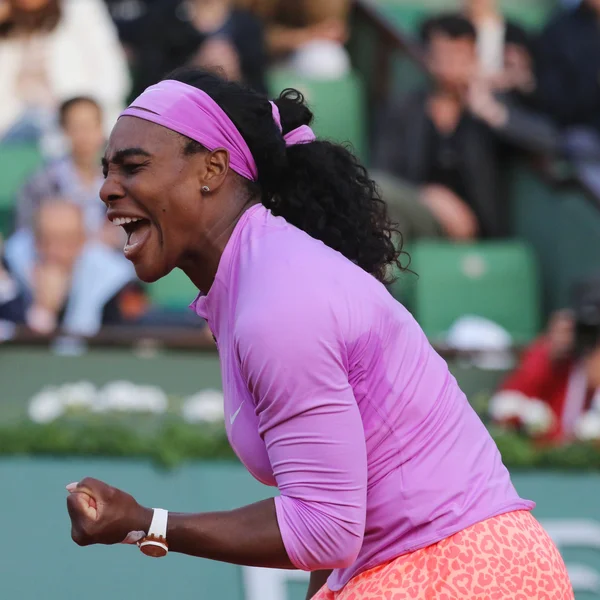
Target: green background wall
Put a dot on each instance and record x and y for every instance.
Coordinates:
(39, 561)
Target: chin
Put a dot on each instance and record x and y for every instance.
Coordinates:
(150, 273)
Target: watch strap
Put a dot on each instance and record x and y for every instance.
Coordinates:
(158, 526)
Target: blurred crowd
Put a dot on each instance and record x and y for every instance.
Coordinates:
(495, 90)
(68, 67)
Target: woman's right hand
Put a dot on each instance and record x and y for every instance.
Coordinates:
(102, 514)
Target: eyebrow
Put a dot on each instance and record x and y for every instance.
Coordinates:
(120, 155)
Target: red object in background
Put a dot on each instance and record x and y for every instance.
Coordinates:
(540, 377)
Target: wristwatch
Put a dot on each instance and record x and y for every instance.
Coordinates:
(155, 542)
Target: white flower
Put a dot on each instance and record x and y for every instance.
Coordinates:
(537, 417)
(588, 427)
(153, 399)
(206, 406)
(124, 396)
(78, 395)
(507, 405)
(46, 406)
(117, 395)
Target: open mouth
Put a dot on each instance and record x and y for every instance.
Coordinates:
(138, 231)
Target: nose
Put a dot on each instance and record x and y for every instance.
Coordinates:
(111, 189)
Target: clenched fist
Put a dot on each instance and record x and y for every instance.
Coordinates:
(102, 514)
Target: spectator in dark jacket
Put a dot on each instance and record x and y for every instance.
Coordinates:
(174, 33)
(569, 85)
(431, 140)
(570, 64)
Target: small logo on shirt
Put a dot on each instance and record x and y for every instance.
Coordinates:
(234, 416)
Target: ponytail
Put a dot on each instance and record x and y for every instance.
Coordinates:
(320, 187)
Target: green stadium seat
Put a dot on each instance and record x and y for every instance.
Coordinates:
(17, 163)
(174, 292)
(563, 227)
(409, 14)
(339, 106)
(494, 280)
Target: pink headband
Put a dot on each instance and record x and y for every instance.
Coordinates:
(193, 113)
(301, 135)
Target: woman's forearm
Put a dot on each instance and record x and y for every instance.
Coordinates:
(248, 536)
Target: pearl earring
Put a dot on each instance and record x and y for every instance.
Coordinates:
(205, 189)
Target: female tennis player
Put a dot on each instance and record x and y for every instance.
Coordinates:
(389, 484)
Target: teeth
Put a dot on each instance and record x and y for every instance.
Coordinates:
(120, 221)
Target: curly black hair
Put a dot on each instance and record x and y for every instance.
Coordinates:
(319, 187)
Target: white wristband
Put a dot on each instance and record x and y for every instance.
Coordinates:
(155, 543)
(158, 527)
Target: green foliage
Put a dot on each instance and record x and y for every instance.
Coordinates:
(166, 445)
(171, 442)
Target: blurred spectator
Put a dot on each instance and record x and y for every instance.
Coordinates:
(77, 176)
(70, 282)
(431, 140)
(207, 33)
(310, 33)
(569, 66)
(504, 94)
(570, 86)
(448, 140)
(51, 50)
(561, 370)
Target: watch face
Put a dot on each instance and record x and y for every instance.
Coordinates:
(153, 548)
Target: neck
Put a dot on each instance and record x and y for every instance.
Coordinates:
(201, 263)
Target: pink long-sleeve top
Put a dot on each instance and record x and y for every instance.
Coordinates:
(334, 395)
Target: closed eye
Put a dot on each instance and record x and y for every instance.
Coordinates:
(131, 168)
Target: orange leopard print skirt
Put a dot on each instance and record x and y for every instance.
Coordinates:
(509, 557)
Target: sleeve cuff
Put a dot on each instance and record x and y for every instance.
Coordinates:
(286, 534)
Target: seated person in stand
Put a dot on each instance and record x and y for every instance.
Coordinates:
(560, 369)
(77, 176)
(71, 283)
(431, 140)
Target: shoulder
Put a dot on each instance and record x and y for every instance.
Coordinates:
(288, 281)
(281, 260)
